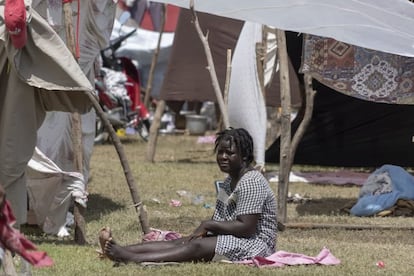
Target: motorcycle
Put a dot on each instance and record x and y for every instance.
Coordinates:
(119, 93)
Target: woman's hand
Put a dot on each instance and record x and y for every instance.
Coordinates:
(200, 232)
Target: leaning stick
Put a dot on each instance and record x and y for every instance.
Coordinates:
(309, 103)
(210, 67)
(155, 126)
(154, 60)
(156, 122)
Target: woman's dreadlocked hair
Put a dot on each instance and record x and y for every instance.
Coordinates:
(242, 140)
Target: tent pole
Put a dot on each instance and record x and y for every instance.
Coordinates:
(228, 75)
(289, 145)
(80, 231)
(285, 140)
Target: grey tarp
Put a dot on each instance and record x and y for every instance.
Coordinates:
(40, 77)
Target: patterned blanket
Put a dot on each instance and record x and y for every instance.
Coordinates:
(359, 72)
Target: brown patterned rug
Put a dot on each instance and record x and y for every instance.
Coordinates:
(359, 72)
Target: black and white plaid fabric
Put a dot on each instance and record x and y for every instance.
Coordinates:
(252, 195)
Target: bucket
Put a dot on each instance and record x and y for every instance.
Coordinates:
(196, 124)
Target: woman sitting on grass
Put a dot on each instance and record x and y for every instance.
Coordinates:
(244, 223)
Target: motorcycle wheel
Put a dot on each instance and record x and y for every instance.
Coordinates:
(143, 129)
(101, 136)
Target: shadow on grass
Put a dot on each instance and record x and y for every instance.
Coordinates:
(192, 161)
(97, 206)
(36, 235)
(100, 206)
(325, 206)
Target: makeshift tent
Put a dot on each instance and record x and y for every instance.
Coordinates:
(347, 131)
(340, 122)
(28, 90)
(187, 79)
(53, 181)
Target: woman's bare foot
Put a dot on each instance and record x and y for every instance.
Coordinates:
(105, 235)
(117, 253)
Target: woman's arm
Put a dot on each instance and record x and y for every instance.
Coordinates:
(243, 227)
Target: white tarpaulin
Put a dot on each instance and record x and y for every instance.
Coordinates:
(382, 25)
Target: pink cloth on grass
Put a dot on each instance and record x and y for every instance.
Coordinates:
(161, 235)
(282, 258)
(14, 241)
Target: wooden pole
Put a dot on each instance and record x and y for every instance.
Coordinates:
(228, 76)
(153, 137)
(309, 102)
(156, 122)
(140, 209)
(285, 140)
(154, 61)
(226, 87)
(80, 225)
(210, 67)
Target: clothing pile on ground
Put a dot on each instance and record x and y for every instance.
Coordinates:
(388, 191)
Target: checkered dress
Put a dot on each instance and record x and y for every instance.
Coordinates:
(252, 195)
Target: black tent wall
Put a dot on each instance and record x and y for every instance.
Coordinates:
(349, 132)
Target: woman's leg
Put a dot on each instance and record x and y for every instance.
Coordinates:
(105, 234)
(202, 249)
(153, 246)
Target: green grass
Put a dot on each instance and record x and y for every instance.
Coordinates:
(183, 164)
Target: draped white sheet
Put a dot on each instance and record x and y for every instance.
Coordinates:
(51, 191)
(246, 105)
(382, 25)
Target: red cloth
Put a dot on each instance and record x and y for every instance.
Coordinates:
(15, 20)
(14, 241)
